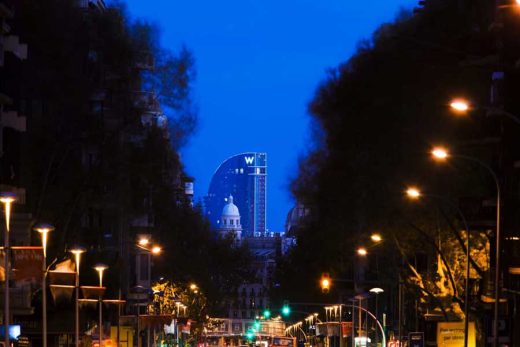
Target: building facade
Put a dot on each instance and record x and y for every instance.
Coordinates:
(244, 176)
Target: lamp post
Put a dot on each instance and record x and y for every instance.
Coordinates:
(7, 199)
(462, 107)
(377, 291)
(414, 194)
(44, 230)
(100, 268)
(77, 257)
(144, 244)
(442, 154)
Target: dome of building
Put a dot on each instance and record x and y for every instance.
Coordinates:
(230, 209)
(230, 220)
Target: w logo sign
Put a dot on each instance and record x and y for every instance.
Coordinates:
(249, 160)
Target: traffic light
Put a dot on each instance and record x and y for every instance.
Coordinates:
(286, 310)
(267, 313)
(325, 282)
(256, 326)
(250, 335)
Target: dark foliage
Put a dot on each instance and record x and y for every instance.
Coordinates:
(377, 117)
(92, 163)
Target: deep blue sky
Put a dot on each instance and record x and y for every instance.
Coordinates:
(258, 64)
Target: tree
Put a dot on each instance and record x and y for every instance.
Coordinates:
(375, 118)
(108, 109)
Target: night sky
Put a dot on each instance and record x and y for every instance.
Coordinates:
(258, 64)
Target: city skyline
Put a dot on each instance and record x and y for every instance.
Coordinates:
(243, 176)
(258, 65)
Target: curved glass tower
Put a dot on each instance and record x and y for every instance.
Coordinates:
(244, 177)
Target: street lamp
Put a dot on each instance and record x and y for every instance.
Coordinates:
(7, 199)
(376, 237)
(362, 251)
(100, 268)
(463, 107)
(441, 154)
(413, 193)
(44, 230)
(144, 245)
(143, 241)
(377, 291)
(77, 257)
(156, 250)
(460, 106)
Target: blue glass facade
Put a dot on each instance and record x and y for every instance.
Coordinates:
(244, 176)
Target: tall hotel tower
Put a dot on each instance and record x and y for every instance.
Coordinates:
(244, 177)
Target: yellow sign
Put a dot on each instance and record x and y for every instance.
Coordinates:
(452, 334)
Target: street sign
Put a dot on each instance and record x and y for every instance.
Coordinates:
(416, 339)
(451, 334)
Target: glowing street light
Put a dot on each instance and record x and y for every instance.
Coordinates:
(100, 268)
(44, 230)
(193, 286)
(460, 106)
(376, 237)
(156, 250)
(413, 193)
(6, 198)
(77, 257)
(143, 241)
(440, 153)
(362, 251)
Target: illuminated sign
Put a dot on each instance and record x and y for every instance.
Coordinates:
(249, 160)
(452, 334)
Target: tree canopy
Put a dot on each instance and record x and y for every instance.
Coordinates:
(108, 108)
(375, 118)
